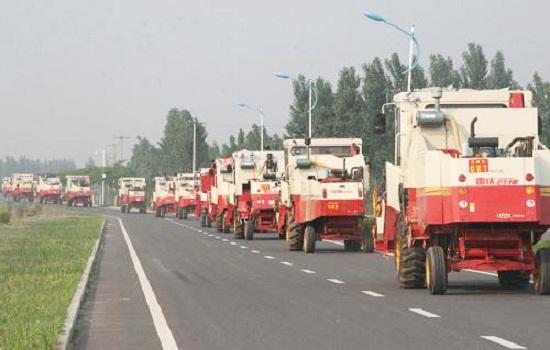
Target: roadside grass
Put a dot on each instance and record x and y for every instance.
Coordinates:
(41, 262)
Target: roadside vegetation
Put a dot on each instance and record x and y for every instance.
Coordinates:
(42, 258)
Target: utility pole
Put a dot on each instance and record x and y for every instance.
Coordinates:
(103, 175)
(194, 150)
(121, 138)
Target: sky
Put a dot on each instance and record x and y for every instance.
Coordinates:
(74, 73)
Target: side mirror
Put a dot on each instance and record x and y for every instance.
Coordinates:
(379, 123)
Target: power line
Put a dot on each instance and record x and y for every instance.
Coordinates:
(121, 138)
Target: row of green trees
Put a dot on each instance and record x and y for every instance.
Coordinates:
(342, 111)
(11, 165)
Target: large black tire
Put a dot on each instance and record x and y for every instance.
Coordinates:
(367, 240)
(412, 267)
(142, 211)
(219, 222)
(203, 219)
(179, 214)
(122, 208)
(184, 214)
(541, 283)
(225, 227)
(436, 271)
(515, 279)
(352, 246)
(208, 221)
(310, 236)
(157, 212)
(294, 235)
(249, 230)
(237, 228)
(163, 212)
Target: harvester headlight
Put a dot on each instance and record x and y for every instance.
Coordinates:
(529, 190)
(530, 203)
(463, 204)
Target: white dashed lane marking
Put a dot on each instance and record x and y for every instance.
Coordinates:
(372, 294)
(268, 257)
(244, 247)
(255, 251)
(334, 280)
(210, 235)
(287, 263)
(233, 243)
(225, 239)
(423, 313)
(308, 271)
(503, 342)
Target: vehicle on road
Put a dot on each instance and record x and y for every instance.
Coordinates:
(131, 194)
(256, 192)
(49, 190)
(164, 196)
(22, 187)
(207, 178)
(186, 194)
(220, 207)
(78, 191)
(469, 188)
(322, 194)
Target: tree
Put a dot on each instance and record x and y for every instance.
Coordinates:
(442, 73)
(90, 163)
(214, 151)
(376, 87)
(399, 76)
(499, 76)
(347, 105)
(323, 117)
(297, 125)
(541, 98)
(474, 69)
(145, 161)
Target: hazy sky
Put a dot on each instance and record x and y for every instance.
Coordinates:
(75, 73)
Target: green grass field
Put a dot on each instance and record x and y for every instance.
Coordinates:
(41, 262)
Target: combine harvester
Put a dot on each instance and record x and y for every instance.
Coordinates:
(6, 187)
(131, 194)
(78, 191)
(255, 192)
(322, 194)
(164, 197)
(22, 187)
(207, 178)
(220, 209)
(469, 188)
(49, 190)
(186, 197)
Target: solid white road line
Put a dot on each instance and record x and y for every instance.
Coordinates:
(161, 326)
(334, 280)
(372, 294)
(424, 313)
(287, 263)
(255, 251)
(506, 343)
(334, 242)
(268, 257)
(308, 271)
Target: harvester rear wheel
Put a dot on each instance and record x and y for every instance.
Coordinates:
(518, 279)
(294, 235)
(203, 219)
(184, 214)
(157, 212)
(179, 213)
(352, 246)
(412, 267)
(436, 271)
(219, 222)
(541, 278)
(309, 239)
(248, 230)
(163, 212)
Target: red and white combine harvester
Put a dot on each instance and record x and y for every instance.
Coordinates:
(6, 187)
(78, 191)
(49, 190)
(131, 194)
(22, 187)
(220, 208)
(207, 178)
(469, 188)
(322, 194)
(257, 191)
(186, 194)
(164, 197)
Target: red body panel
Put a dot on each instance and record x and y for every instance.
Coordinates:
(307, 210)
(168, 202)
(78, 197)
(130, 199)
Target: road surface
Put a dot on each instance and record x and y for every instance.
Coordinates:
(168, 283)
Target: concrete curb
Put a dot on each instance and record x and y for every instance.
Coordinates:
(66, 334)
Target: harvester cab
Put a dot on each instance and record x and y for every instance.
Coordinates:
(186, 186)
(207, 177)
(164, 197)
(469, 188)
(131, 194)
(23, 187)
(78, 191)
(322, 193)
(49, 189)
(256, 187)
(223, 186)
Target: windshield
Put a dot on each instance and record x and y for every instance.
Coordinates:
(339, 151)
(52, 181)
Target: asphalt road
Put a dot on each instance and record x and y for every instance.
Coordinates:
(166, 283)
